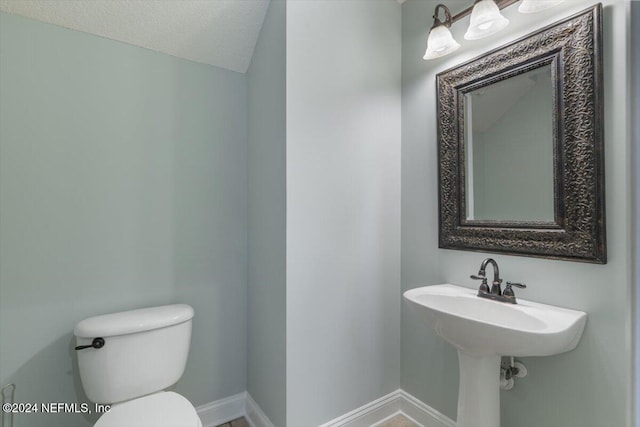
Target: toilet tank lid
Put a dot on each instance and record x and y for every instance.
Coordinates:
(129, 322)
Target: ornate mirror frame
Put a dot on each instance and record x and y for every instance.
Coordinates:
(573, 48)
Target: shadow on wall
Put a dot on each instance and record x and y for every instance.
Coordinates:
(46, 375)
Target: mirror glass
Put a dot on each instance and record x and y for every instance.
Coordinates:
(509, 149)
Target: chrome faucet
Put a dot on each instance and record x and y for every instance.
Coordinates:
(495, 293)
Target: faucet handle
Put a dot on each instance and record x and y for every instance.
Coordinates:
(484, 288)
(517, 285)
(508, 290)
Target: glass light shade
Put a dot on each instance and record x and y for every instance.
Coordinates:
(440, 43)
(533, 6)
(486, 20)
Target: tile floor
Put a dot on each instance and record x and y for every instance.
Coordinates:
(240, 422)
(397, 421)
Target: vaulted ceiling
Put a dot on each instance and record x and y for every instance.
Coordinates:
(216, 32)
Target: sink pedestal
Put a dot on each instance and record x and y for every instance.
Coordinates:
(481, 330)
(479, 391)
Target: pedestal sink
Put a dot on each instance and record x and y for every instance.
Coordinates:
(484, 330)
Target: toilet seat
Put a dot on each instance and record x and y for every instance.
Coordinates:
(163, 409)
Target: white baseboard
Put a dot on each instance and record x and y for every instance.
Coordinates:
(239, 405)
(221, 411)
(398, 402)
(370, 415)
(421, 413)
(254, 414)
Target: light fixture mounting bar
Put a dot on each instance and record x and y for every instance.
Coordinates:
(500, 3)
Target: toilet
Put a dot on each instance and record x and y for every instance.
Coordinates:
(128, 359)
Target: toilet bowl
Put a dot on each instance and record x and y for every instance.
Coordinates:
(128, 359)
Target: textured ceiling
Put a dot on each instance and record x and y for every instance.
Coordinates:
(216, 32)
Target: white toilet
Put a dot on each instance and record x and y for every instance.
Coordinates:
(127, 359)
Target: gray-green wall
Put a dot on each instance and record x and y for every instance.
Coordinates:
(343, 206)
(591, 385)
(122, 185)
(635, 77)
(266, 291)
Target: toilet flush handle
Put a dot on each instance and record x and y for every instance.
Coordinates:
(96, 343)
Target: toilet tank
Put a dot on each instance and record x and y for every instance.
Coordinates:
(144, 351)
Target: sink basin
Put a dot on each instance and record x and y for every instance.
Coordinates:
(481, 326)
(483, 330)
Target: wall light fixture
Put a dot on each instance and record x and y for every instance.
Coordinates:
(440, 42)
(533, 6)
(486, 20)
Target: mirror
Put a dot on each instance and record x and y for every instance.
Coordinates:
(509, 149)
(520, 143)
